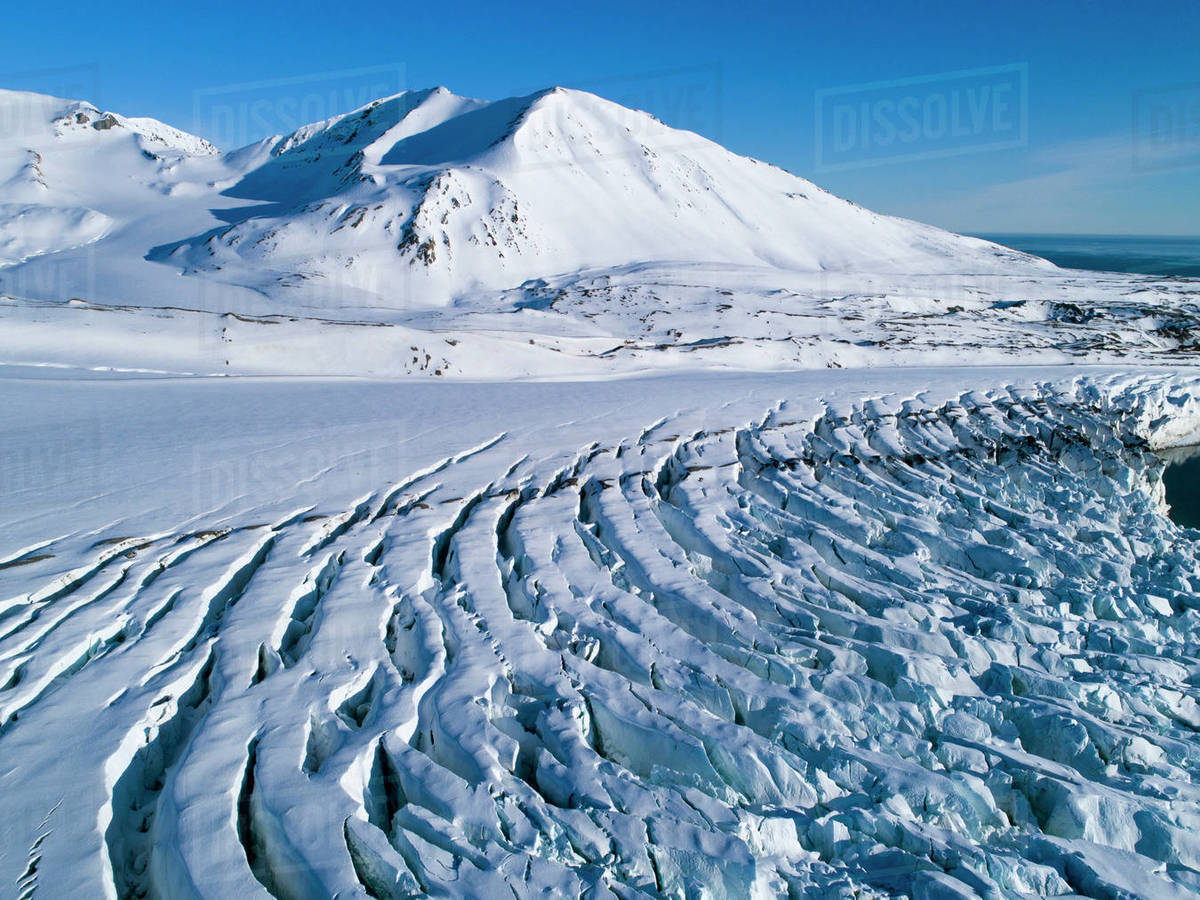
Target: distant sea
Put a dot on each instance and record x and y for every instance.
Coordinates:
(1110, 253)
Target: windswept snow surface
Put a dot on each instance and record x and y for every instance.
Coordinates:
(837, 634)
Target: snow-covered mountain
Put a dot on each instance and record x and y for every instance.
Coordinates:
(424, 198)
(445, 196)
(551, 235)
(69, 172)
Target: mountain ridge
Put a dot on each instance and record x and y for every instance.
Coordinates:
(423, 198)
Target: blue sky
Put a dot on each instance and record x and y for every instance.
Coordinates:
(1070, 117)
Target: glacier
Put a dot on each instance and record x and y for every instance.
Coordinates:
(826, 639)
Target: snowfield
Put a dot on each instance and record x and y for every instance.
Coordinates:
(650, 318)
(669, 539)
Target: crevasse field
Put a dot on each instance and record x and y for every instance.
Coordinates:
(707, 536)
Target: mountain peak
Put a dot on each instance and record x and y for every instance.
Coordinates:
(39, 120)
(451, 195)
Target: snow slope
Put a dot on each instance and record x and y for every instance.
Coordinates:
(419, 200)
(430, 197)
